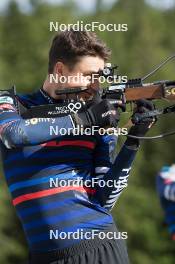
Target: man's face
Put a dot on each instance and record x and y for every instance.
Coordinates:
(80, 75)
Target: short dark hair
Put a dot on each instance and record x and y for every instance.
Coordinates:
(68, 46)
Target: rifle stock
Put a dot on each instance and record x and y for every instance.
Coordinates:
(144, 92)
(154, 91)
(150, 91)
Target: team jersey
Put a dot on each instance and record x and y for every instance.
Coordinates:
(57, 182)
(166, 189)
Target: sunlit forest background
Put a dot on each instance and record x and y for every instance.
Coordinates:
(24, 42)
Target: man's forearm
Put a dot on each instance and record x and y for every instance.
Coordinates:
(116, 178)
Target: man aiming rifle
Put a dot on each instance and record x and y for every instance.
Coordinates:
(32, 156)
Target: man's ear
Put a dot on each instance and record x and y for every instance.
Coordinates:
(59, 68)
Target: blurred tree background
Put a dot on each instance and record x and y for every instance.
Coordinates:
(25, 40)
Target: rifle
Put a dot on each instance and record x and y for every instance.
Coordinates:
(128, 92)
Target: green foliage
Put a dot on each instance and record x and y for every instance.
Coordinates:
(25, 40)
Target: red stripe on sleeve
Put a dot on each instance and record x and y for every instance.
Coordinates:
(31, 196)
(79, 143)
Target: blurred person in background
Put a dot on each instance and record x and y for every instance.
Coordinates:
(165, 183)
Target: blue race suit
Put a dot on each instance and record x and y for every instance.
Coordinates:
(34, 161)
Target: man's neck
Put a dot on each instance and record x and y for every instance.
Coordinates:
(48, 91)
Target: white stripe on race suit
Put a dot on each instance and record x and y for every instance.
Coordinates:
(101, 169)
(99, 176)
(127, 170)
(120, 188)
(167, 192)
(172, 194)
(111, 205)
(112, 200)
(113, 196)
